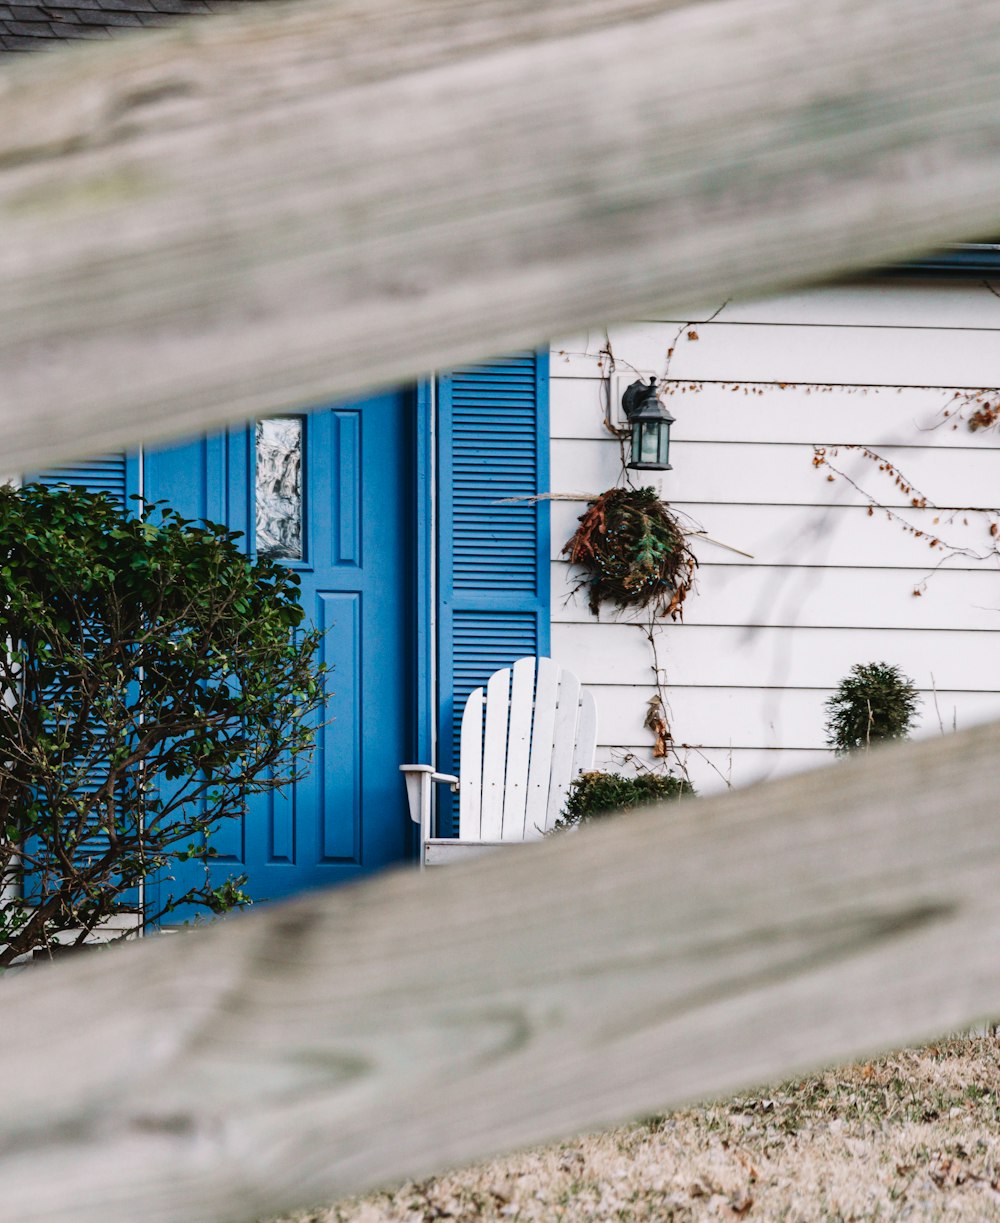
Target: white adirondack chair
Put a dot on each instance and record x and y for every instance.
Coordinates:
(522, 744)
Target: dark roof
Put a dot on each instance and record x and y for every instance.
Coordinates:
(27, 25)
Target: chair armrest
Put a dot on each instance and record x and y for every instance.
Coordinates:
(419, 778)
(427, 770)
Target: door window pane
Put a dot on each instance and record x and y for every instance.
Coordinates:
(278, 490)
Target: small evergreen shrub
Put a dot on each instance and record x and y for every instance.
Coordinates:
(873, 703)
(592, 796)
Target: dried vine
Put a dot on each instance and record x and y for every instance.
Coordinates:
(933, 533)
(635, 552)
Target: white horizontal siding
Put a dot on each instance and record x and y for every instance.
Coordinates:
(844, 536)
(782, 473)
(715, 768)
(793, 353)
(734, 412)
(901, 302)
(762, 718)
(823, 596)
(908, 302)
(764, 657)
(766, 638)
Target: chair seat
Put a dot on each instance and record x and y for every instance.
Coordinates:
(446, 851)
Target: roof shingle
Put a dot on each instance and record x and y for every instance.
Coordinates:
(27, 26)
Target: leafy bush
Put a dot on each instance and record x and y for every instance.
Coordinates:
(154, 678)
(594, 796)
(874, 702)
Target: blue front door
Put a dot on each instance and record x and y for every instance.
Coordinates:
(330, 492)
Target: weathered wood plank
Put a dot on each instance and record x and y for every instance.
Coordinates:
(329, 1045)
(250, 213)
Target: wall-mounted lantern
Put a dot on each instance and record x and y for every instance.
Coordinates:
(650, 422)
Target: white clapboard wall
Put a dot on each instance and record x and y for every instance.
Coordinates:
(766, 638)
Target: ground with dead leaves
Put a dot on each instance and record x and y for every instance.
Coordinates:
(911, 1136)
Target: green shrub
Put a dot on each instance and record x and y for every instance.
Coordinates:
(154, 677)
(593, 796)
(873, 703)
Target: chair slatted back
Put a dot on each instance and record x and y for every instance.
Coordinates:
(523, 741)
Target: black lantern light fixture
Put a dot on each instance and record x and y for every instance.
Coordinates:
(650, 422)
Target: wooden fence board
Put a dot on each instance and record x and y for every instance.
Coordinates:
(334, 1043)
(254, 212)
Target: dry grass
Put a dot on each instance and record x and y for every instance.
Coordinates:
(912, 1136)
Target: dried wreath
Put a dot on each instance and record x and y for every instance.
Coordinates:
(634, 551)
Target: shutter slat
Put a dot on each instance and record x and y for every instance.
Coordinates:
(117, 475)
(105, 473)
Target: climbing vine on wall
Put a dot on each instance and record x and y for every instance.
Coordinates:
(634, 553)
(916, 514)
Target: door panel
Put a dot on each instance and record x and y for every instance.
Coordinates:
(347, 815)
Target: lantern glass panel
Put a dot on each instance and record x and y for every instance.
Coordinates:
(649, 448)
(664, 458)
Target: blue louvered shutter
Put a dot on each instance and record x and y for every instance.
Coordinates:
(117, 475)
(493, 558)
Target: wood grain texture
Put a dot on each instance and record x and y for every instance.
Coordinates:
(260, 211)
(328, 1045)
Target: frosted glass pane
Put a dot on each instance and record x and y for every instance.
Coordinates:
(650, 437)
(278, 492)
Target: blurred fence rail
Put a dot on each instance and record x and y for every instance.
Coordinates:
(276, 207)
(374, 1033)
